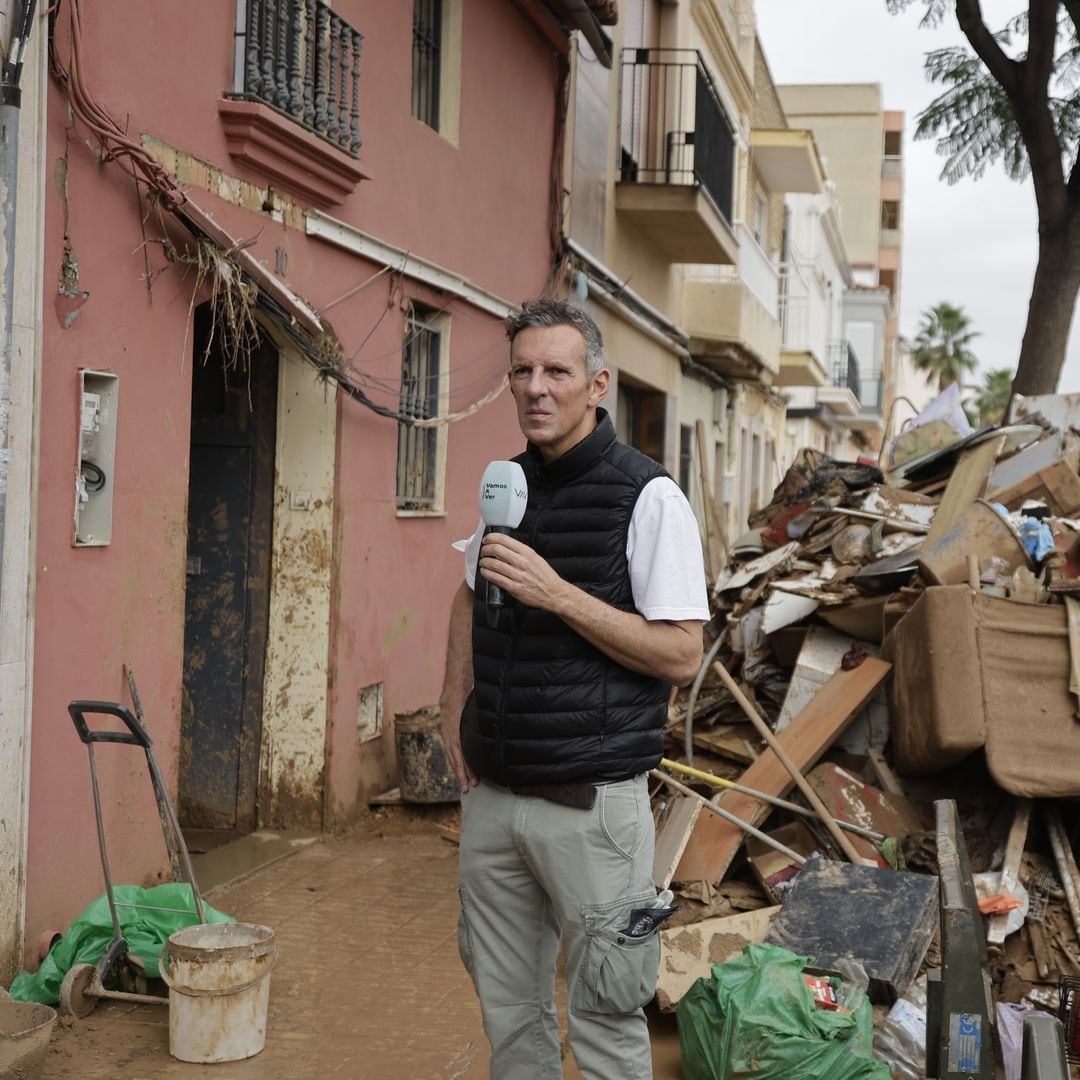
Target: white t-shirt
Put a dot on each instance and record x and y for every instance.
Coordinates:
(663, 549)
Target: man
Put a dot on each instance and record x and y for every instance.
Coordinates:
(562, 699)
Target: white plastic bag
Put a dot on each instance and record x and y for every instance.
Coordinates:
(1010, 1025)
(900, 1040)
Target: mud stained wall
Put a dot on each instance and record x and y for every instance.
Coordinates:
(16, 607)
(369, 607)
(297, 654)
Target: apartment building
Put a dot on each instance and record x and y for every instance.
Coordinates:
(862, 145)
(679, 163)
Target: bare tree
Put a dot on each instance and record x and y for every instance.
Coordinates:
(1015, 100)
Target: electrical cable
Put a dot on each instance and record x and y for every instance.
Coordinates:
(95, 476)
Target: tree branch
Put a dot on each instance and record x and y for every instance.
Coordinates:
(1042, 39)
(969, 17)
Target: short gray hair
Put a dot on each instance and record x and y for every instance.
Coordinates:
(545, 311)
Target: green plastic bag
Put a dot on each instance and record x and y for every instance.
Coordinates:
(754, 1016)
(91, 932)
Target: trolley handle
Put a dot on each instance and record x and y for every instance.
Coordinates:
(136, 734)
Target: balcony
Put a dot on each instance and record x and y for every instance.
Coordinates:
(294, 113)
(891, 238)
(803, 326)
(677, 156)
(842, 393)
(731, 330)
(787, 160)
(892, 167)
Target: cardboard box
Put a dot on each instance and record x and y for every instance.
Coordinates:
(974, 671)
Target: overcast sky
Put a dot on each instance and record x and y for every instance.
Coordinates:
(972, 243)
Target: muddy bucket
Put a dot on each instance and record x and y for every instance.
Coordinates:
(219, 989)
(979, 531)
(24, 1037)
(424, 772)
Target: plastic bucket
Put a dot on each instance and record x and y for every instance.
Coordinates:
(424, 771)
(219, 989)
(24, 1037)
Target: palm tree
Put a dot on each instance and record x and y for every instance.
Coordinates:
(993, 395)
(942, 345)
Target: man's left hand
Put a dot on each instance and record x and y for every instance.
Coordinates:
(518, 570)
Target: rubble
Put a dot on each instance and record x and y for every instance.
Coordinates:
(907, 633)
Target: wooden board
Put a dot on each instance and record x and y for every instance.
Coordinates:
(714, 532)
(688, 952)
(714, 842)
(1010, 868)
(672, 833)
(736, 742)
(886, 778)
(967, 483)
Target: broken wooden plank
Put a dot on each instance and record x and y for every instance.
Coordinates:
(884, 775)
(715, 544)
(1010, 868)
(689, 952)
(713, 843)
(449, 832)
(967, 483)
(732, 741)
(672, 834)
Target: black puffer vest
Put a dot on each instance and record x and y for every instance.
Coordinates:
(549, 707)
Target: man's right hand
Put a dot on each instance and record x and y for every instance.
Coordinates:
(451, 734)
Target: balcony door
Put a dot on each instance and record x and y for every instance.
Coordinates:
(641, 30)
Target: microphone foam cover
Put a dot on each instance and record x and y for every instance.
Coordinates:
(504, 494)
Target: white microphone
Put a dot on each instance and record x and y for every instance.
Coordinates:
(504, 494)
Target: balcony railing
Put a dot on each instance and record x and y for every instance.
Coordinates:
(673, 128)
(845, 367)
(302, 59)
(892, 167)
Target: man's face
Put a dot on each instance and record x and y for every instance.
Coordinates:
(556, 400)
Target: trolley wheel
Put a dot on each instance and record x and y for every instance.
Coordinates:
(75, 997)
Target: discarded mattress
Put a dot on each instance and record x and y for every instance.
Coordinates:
(973, 671)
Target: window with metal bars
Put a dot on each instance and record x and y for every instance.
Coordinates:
(427, 60)
(418, 447)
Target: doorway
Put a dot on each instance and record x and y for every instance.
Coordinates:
(229, 545)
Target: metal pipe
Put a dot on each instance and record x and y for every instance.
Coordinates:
(10, 100)
(609, 299)
(624, 290)
(746, 827)
(773, 800)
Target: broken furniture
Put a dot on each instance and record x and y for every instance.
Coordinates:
(974, 671)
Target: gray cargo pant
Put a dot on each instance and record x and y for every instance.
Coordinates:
(532, 870)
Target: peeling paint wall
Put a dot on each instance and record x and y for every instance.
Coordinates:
(297, 654)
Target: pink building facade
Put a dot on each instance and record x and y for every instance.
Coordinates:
(269, 555)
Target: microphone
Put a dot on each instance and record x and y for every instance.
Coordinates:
(504, 494)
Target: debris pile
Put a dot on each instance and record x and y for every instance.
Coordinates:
(891, 690)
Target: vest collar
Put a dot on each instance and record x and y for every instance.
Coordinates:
(578, 459)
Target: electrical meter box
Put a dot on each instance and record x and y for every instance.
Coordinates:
(95, 476)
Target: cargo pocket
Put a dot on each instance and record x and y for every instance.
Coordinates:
(617, 972)
(464, 940)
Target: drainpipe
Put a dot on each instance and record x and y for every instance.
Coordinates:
(22, 17)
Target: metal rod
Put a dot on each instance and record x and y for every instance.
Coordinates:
(746, 827)
(783, 804)
(773, 742)
(101, 841)
(1066, 863)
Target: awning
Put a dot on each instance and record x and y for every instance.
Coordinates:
(787, 160)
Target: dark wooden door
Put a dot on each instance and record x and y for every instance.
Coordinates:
(230, 500)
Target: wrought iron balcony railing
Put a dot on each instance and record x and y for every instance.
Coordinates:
(845, 367)
(303, 59)
(673, 127)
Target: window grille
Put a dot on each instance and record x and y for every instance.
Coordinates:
(417, 461)
(427, 60)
